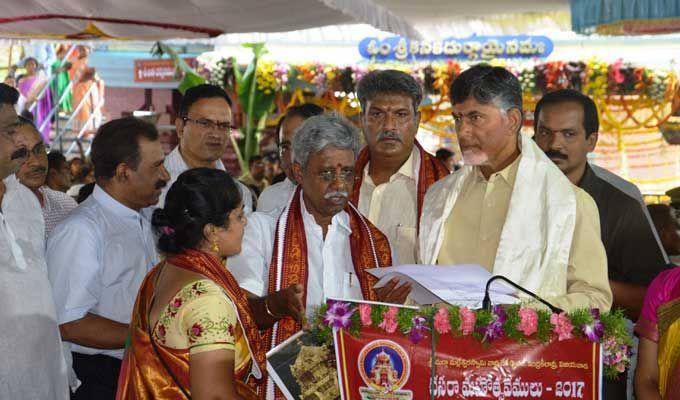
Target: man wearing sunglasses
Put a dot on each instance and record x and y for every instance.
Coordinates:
(203, 127)
(33, 173)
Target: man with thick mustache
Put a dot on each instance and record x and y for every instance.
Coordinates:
(393, 172)
(98, 256)
(320, 242)
(566, 128)
(33, 173)
(32, 363)
(510, 209)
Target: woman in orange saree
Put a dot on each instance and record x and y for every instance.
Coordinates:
(658, 370)
(192, 332)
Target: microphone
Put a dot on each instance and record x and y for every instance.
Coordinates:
(486, 303)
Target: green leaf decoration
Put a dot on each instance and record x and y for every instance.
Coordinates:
(191, 77)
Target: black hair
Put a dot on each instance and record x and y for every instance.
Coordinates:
(85, 192)
(117, 142)
(8, 95)
(55, 161)
(303, 111)
(196, 93)
(487, 84)
(443, 154)
(591, 122)
(23, 121)
(35, 60)
(388, 81)
(253, 159)
(199, 197)
(661, 216)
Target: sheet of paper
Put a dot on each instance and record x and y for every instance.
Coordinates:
(462, 285)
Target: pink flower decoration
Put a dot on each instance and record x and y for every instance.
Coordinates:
(389, 322)
(562, 326)
(528, 323)
(467, 320)
(441, 321)
(365, 314)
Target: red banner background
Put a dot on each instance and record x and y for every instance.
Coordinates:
(381, 366)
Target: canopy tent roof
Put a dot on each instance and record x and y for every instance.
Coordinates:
(165, 19)
(625, 17)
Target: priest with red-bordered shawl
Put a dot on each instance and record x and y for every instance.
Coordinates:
(320, 246)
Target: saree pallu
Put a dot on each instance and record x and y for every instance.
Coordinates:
(669, 350)
(30, 87)
(146, 375)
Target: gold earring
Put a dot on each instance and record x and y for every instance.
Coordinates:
(215, 248)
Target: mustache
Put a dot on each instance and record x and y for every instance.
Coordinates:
(161, 184)
(389, 135)
(336, 193)
(556, 154)
(19, 153)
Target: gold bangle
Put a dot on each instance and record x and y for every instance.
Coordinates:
(271, 314)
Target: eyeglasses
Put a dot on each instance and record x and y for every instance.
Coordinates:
(206, 123)
(332, 176)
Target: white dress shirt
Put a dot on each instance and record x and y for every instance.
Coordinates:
(275, 198)
(32, 364)
(56, 207)
(175, 165)
(392, 206)
(97, 258)
(330, 267)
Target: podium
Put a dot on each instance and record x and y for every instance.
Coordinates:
(387, 352)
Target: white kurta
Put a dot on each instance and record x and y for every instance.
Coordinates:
(275, 198)
(32, 362)
(331, 270)
(175, 165)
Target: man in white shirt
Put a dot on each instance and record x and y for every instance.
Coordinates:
(275, 197)
(203, 127)
(32, 174)
(31, 358)
(393, 172)
(320, 241)
(99, 255)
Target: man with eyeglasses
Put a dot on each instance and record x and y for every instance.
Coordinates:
(393, 172)
(32, 362)
(203, 127)
(320, 246)
(55, 205)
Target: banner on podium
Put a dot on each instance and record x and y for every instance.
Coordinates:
(379, 366)
(385, 352)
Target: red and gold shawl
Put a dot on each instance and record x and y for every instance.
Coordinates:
(144, 376)
(370, 249)
(430, 171)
